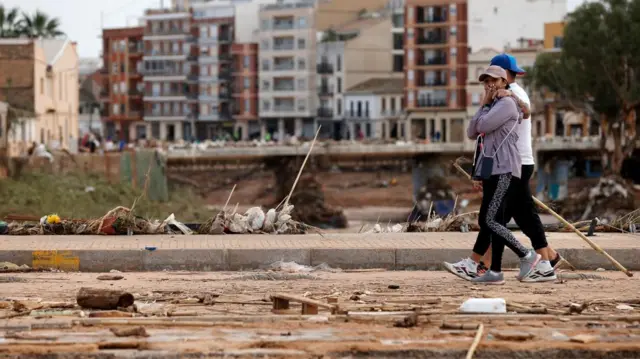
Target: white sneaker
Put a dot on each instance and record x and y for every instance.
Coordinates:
(543, 272)
(466, 269)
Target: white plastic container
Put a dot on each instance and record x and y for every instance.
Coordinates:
(484, 305)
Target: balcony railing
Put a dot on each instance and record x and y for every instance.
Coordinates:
(432, 40)
(436, 60)
(283, 108)
(436, 19)
(284, 88)
(284, 66)
(224, 57)
(104, 94)
(165, 94)
(325, 68)
(325, 112)
(135, 93)
(284, 46)
(283, 25)
(166, 53)
(135, 113)
(355, 114)
(135, 48)
(431, 103)
(225, 37)
(164, 72)
(324, 90)
(171, 31)
(391, 113)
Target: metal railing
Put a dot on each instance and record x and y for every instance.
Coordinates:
(431, 103)
(324, 68)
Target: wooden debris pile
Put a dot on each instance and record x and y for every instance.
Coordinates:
(254, 220)
(611, 198)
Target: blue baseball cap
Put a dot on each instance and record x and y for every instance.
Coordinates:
(507, 62)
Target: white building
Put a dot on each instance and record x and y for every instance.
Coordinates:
(501, 23)
(373, 107)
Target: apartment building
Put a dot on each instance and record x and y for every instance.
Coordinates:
(553, 35)
(287, 59)
(373, 107)
(170, 74)
(215, 34)
(501, 23)
(122, 86)
(245, 91)
(436, 70)
(396, 7)
(90, 81)
(348, 55)
(40, 82)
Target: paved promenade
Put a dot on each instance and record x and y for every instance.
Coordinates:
(245, 252)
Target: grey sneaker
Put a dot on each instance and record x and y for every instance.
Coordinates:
(490, 277)
(528, 264)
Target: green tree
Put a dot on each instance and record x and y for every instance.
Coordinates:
(39, 25)
(8, 22)
(598, 70)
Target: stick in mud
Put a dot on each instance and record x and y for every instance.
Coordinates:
(286, 201)
(596, 247)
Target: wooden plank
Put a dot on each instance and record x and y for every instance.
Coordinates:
(309, 309)
(280, 304)
(303, 300)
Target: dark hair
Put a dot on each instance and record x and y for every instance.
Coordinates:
(512, 73)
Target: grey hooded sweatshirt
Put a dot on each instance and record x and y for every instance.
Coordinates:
(496, 122)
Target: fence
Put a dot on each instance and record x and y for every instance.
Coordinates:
(129, 167)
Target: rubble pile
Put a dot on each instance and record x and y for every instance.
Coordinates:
(611, 198)
(254, 220)
(308, 197)
(436, 196)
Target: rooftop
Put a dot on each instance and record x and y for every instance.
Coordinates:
(379, 86)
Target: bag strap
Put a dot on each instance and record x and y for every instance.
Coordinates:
(501, 143)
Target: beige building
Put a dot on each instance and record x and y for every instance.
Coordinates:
(287, 59)
(348, 56)
(42, 76)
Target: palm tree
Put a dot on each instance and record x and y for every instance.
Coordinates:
(40, 25)
(8, 25)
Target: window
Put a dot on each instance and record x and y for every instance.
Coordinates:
(114, 46)
(398, 63)
(475, 99)
(392, 104)
(338, 63)
(454, 77)
(557, 42)
(302, 105)
(186, 48)
(302, 23)
(116, 109)
(114, 68)
(265, 85)
(410, 33)
(410, 96)
(175, 48)
(410, 10)
(301, 64)
(339, 84)
(264, 24)
(454, 52)
(247, 105)
(398, 41)
(245, 62)
(454, 98)
(410, 75)
(383, 104)
(114, 89)
(247, 83)
(453, 9)
(454, 30)
(265, 65)
(339, 106)
(301, 43)
(203, 30)
(213, 31)
(266, 105)
(264, 44)
(123, 87)
(302, 84)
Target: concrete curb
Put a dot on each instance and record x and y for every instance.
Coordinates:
(135, 260)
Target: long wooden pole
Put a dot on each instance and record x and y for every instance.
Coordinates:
(570, 226)
(286, 201)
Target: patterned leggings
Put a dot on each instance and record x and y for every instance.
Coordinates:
(493, 215)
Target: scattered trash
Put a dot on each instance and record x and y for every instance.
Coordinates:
(484, 305)
(293, 267)
(8, 267)
(150, 248)
(600, 270)
(110, 277)
(91, 298)
(409, 321)
(129, 332)
(89, 189)
(584, 338)
(611, 198)
(624, 307)
(393, 286)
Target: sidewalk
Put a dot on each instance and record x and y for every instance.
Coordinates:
(238, 252)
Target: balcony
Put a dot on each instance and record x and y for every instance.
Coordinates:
(104, 95)
(136, 48)
(224, 57)
(284, 66)
(324, 112)
(137, 114)
(325, 90)
(133, 72)
(427, 102)
(432, 14)
(225, 37)
(325, 68)
(283, 108)
(225, 73)
(156, 53)
(432, 40)
(193, 57)
(283, 46)
(156, 31)
(135, 93)
(225, 95)
(355, 115)
(159, 95)
(435, 60)
(165, 72)
(284, 87)
(283, 25)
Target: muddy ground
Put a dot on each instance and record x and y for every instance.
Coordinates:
(374, 318)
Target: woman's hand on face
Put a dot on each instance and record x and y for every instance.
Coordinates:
(477, 185)
(488, 95)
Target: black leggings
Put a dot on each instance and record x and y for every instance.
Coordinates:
(496, 193)
(524, 209)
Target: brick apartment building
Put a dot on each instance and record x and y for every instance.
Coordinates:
(122, 87)
(436, 69)
(245, 89)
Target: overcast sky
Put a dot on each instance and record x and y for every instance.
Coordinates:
(81, 18)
